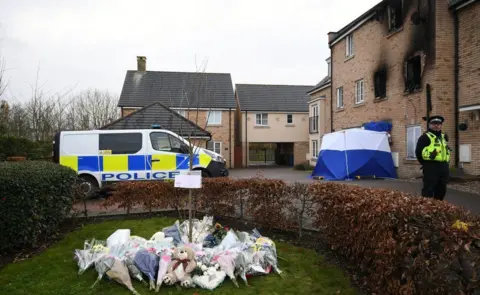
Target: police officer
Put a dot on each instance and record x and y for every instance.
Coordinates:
(433, 153)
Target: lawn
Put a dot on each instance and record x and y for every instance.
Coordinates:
(55, 272)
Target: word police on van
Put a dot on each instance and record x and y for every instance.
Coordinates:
(103, 156)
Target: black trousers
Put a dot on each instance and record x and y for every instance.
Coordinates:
(435, 179)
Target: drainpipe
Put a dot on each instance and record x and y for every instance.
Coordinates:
(230, 134)
(457, 86)
(331, 89)
(246, 139)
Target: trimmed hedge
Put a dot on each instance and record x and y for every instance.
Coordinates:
(396, 242)
(32, 150)
(36, 197)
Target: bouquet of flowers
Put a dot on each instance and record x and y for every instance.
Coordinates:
(119, 272)
(92, 251)
(165, 259)
(147, 262)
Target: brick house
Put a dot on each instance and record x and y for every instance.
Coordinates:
(467, 32)
(272, 124)
(206, 99)
(396, 63)
(319, 115)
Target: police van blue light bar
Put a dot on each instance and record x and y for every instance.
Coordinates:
(156, 126)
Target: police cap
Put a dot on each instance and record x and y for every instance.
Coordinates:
(436, 119)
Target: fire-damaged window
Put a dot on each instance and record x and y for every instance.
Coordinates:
(380, 83)
(413, 73)
(395, 15)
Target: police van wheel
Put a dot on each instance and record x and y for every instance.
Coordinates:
(88, 185)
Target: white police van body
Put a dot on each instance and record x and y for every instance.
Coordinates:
(104, 156)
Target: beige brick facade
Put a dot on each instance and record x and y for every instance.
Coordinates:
(220, 133)
(300, 149)
(374, 48)
(128, 111)
(469, 77)
(320, 99)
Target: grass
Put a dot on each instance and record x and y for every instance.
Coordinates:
(55, 272)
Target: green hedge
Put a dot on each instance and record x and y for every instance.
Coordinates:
(32, 150)
(35, 199)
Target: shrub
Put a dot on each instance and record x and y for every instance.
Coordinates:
(401, 244)
(32, 150)
(268, 202)
(36, 197)
(217, 196)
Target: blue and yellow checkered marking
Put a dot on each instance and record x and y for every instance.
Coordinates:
(124, 163)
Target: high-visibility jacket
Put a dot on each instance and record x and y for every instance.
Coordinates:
(436, 144)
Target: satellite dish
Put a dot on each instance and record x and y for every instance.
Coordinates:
(462, 126)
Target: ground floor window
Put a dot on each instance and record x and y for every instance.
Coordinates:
(314, 148)
(215, 146)
(413, 133)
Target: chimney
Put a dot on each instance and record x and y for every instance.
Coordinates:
(141, 63)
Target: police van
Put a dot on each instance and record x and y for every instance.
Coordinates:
(104, 156)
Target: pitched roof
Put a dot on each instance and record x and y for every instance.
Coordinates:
(177, 89)
(157, 113)
(324, 82)
(454, 3)
(271, 98)
(351, 25)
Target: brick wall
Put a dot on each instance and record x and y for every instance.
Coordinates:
(220, 133)
(375, 48)
(127, 111)
(300, 149)
(469, 76)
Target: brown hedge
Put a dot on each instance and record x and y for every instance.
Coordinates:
(396, 242)
(402, 244)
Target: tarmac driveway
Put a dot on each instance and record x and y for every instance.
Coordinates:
(467, 200)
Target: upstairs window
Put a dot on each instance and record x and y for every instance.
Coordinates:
(395, 15)
(261, 119)
(349, 46)
(359, 92)
(289, 118)
(380, 80)
(214, 118)
(340, 98)
(413, 74)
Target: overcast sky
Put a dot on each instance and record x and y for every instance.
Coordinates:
(91, 43)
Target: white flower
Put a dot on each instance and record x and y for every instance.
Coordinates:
(199, 264)
(204, 267)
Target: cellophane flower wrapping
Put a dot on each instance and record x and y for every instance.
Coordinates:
(268, 247)
(226, 260)
(119, 273)
(200, 230)
(102, 266)
(134, 244)
(173, 232)
(165, 259)
(147, 262)
(92, 251)
(120, 236)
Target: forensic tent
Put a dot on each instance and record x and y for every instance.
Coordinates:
(353, 153)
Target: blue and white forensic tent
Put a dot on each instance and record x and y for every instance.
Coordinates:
(353, 153)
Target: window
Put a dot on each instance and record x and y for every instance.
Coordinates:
(315, 148)
(214, 118)
(329, 67)
(181, 112)
(120, 143)
(359, 92)
(215, 146)
(395, 15)
(261, 119)
(413, 73)
(413, 133)
(380, 81)
(349, 46)
(340, 98)
(289, 118)
(166, 143)
(314, 120)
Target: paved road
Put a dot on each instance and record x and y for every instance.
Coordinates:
(467, 200)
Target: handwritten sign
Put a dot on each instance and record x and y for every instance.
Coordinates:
(190, 179)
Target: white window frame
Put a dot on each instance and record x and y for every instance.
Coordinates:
(359, 91)
(314, 150)
(315, 113)
(263, 118)
(416, 132)
(215, 144)
(290, 123)
(216, 119)
(349, 45)
(340, 103)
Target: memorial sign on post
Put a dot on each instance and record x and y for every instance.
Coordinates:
(190, 179)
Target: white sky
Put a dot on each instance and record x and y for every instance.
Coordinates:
(91, 43)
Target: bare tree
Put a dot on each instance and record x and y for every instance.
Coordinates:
(94, 109)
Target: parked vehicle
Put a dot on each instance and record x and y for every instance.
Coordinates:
(105, 156)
